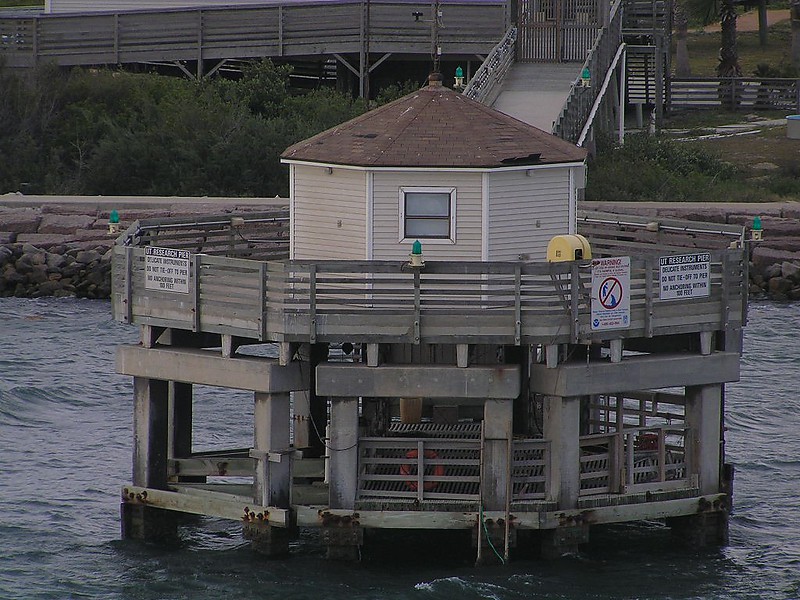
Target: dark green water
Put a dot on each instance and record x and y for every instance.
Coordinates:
(65, 421)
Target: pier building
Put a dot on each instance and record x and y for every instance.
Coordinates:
(431, 345)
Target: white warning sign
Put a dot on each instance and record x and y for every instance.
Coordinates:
(166, 270)
(685, 276)
(611, 305)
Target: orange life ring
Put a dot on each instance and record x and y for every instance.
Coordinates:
(411, 470)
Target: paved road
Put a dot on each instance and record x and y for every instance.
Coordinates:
(536, 92)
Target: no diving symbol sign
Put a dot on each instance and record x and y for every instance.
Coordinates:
(610, 292)
(611, 279)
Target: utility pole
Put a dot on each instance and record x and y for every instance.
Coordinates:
(436, 50)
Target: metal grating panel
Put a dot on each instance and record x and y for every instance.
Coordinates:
(420, 468)
(463, 431)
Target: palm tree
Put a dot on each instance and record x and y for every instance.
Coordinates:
(682, 68)
(728, 54)
(794, 12)
(707, 11)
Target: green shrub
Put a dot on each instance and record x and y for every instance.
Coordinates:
(649, 167)
(112, 132)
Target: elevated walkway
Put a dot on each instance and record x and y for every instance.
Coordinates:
(536, 92)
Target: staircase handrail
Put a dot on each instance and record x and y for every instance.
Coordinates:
(599, 60)
(485, 84)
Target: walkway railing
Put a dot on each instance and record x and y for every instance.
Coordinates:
(579, 103)
(735, 93)
(381, 301)
(636, 459)
(419, 469)
(530, 469)
(269, 30)
(257, 236)
(388, 301)
(486, 83)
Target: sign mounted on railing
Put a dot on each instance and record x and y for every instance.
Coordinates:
(166, 270)
(685, 276)
(611, 302)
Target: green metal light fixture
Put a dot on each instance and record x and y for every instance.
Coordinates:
(415, 258)
(586, 78)
(758, 230)
(459, 77)
(113, 223)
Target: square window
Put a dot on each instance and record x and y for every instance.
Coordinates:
(427, 213)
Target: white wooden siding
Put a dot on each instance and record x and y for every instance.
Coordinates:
(329, 213)
(67, 6)
(386, 211)
(518, 200)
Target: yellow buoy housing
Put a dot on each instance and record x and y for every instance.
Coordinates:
(568, 247)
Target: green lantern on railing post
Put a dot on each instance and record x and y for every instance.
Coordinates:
(415, 258)
(586, 78)
(113, 223)
(459, 77)
(757, 231)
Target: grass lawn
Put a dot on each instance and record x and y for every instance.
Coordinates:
(697, 158)
(704, 50)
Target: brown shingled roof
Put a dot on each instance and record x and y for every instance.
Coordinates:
(434, 127)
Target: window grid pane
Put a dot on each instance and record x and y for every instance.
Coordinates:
(438, 228)
(427, 215)
(427, 204)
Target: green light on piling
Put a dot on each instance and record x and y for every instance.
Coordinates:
(758, 230)
(416, 247)
(113, 217)
(459, 72)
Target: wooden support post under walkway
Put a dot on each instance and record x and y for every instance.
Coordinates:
(273, 473)
(150, 451)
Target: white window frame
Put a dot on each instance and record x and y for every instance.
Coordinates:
(451, 239)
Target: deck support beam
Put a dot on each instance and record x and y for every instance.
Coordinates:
(703, 417)
(271, 449)
(179, 432)
(343, 540)
(273, 477)
(150, 450)
(477, 382)
(207, 367)
(498, 423)
(497, 431)
(634, 373)
(343, 452)
(562, 429)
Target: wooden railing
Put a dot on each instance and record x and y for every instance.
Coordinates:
(530, 469)
(611, 413)
(270, 30)
(612, 234)
(419, 469)
(485, 84)
(737, 93)
(446, 302)
(257, 236)
(579, 103)
(636, 459)
(647, 17)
